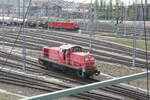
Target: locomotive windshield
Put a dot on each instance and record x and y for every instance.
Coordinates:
(77, 49)
(72, 48)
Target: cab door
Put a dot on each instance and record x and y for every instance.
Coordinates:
(67, 56)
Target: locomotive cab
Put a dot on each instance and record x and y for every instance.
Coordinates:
(68, 50)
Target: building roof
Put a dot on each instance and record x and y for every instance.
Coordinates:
(48, 1)
(61, 3)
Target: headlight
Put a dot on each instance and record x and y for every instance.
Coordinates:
(92, 58)
(86, 59)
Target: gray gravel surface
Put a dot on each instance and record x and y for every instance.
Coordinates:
(28, 91)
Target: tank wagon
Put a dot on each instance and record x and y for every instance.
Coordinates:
(9, 21)
(69, 58)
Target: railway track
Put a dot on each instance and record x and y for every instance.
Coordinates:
(36, 83)
(100, 55)
(37, 43)
(123, 28)
(123, 92)
(110, 56)
(128, 31)
(112, 89)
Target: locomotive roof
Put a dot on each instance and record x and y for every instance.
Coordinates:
(83, 54)
(67, 46)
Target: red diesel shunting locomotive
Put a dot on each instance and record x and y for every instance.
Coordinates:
(69, 57)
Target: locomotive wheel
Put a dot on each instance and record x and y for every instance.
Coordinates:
(64, 69)
(44, 63)
(80, 74)
(87, 76)
(84, 75)
(48, 65)
(41, 62)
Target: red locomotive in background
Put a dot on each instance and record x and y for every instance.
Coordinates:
(69, 57)
(71, 26)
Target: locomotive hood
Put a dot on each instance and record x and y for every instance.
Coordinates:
(83, 54)
(86, 56)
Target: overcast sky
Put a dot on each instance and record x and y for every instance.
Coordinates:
(88, 1)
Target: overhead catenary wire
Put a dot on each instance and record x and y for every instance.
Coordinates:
(3, 14)
(24, 40)
(146, 54)
(18, 35)
(134, 37)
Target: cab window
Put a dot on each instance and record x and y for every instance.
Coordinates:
(77, 49)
